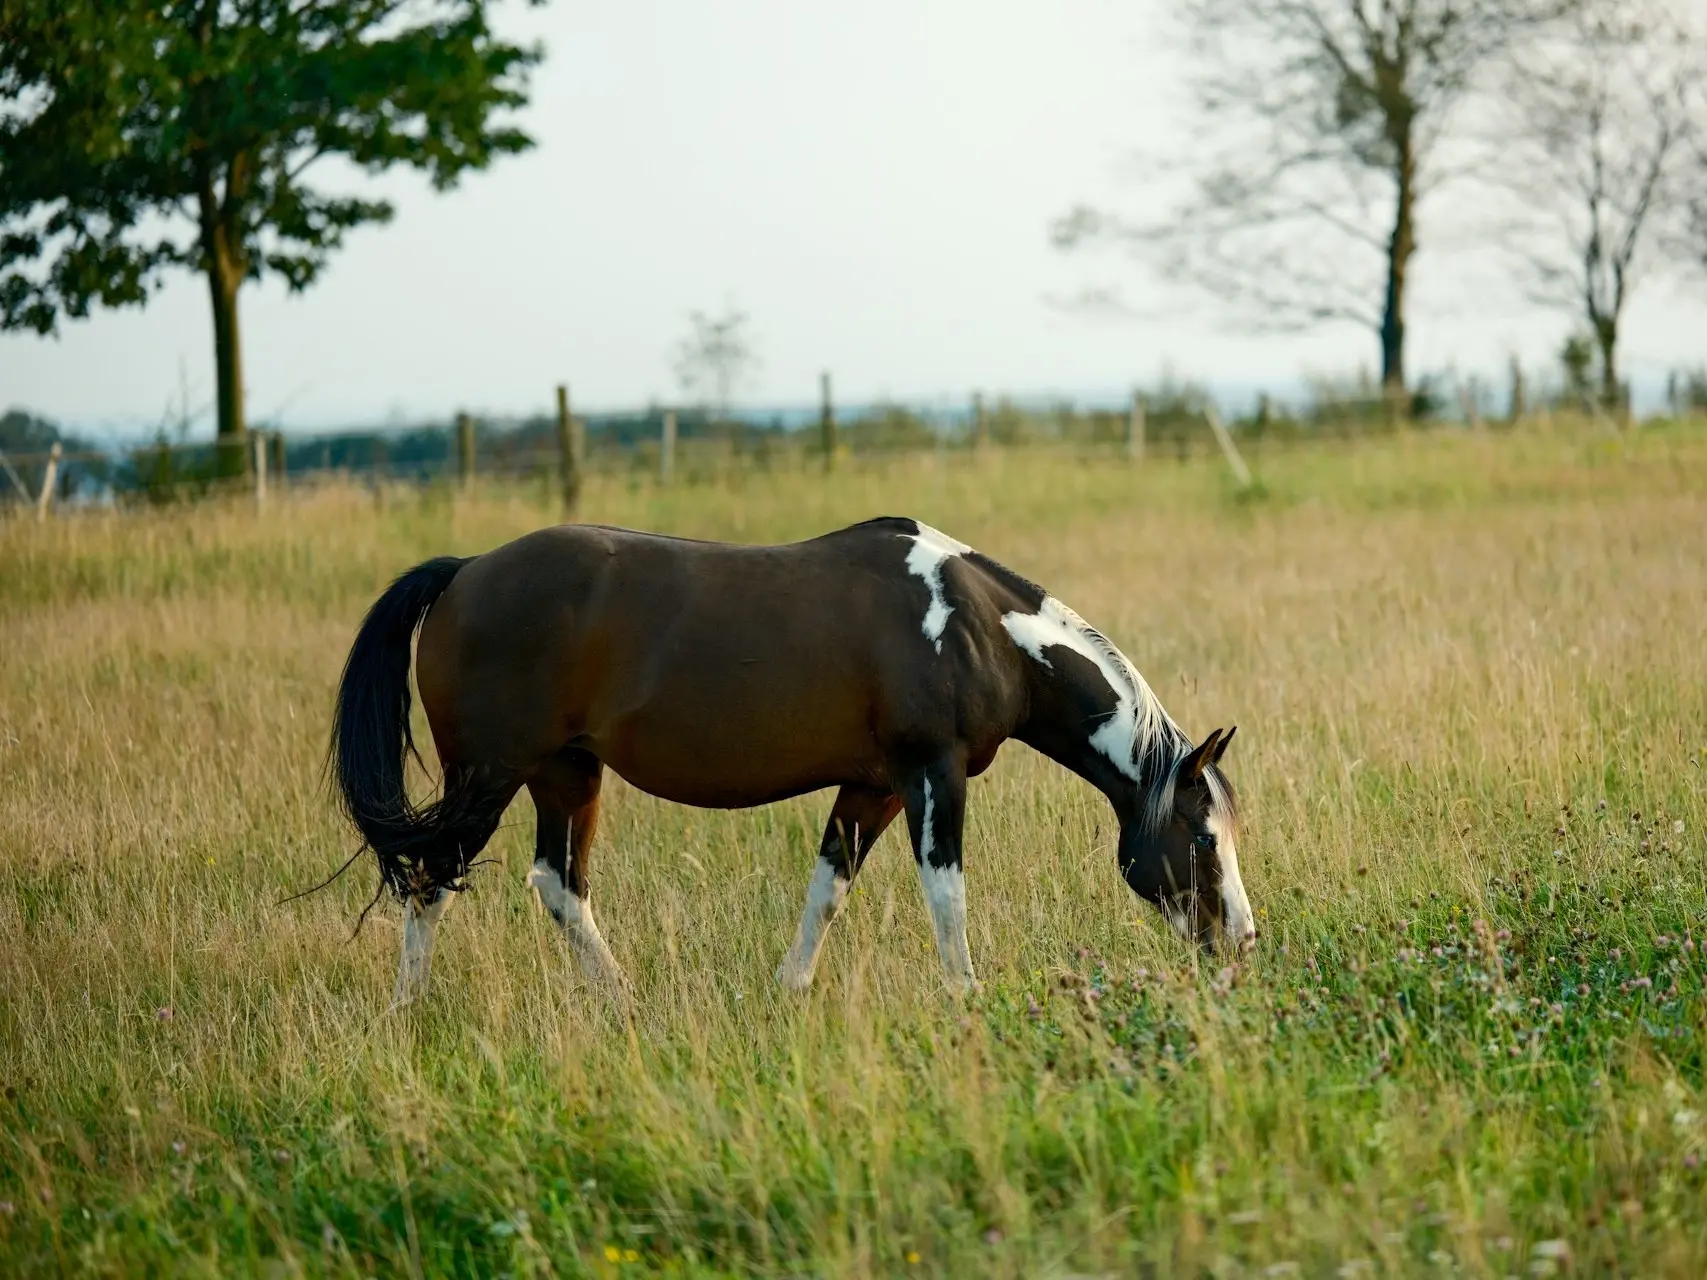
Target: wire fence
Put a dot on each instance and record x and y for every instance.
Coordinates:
(690, 446)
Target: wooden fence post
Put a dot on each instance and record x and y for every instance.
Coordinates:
(1519, 396)
(44, 499)
(1469, 396)
(980, 422)
(826, 421)
(572, 447)
(667, 449)
(465, 450)
(1135, 425)
(277, 441)
(16, 479)
(1241, 472)
(258, 445)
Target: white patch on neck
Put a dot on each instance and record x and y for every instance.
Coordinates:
(1238, 925)
(925, 560)
(1138, 720)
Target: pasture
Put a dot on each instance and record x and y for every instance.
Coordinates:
(1470, 676)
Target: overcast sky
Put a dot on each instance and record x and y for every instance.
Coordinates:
(872, 182)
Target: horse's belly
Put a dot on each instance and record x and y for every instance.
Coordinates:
(732, 783)
(746, 754)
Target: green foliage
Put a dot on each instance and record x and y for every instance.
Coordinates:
(889, 426)
(26, 439)
(124, 115)
(141, 135)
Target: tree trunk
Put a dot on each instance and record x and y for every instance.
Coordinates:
(1400, 247)
(1611, 393)
(223, 283)
(222, 260)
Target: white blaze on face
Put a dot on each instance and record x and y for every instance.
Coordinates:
(1238, 925)
(1137, 717)
(930, 549)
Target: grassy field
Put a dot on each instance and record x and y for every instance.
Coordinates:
(1470, 676)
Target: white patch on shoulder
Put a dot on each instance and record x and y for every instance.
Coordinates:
(930, 548)
(1138, 719)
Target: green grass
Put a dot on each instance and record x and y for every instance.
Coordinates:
(1472, 699)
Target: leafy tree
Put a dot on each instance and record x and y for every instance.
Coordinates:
(142, 135)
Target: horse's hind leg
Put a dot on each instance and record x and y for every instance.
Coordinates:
(566, 798)
(857, 819)
(484, 798)
(420, 929)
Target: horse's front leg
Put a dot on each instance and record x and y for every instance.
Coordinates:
(421, 916)
(858, 817)
(936, 815)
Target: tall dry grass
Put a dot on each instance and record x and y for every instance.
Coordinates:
(1471, 1039)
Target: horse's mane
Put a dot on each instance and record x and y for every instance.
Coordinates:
(1159, 745)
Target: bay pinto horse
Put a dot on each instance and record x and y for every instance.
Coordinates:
(885, 659)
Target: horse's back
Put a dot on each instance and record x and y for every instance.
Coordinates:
(707, 672)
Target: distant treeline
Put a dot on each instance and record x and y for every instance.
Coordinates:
(1174, 418)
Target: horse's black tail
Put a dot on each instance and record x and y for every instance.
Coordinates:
(419, 849)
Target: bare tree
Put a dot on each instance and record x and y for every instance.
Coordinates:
(1697, 215)
(715, 357)
(1694, 246)
(1322, 128)
(1599, 160)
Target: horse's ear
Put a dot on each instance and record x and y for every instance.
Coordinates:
(1221, 747)
(1192, 767)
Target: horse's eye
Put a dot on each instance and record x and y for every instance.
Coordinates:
(1204, 840)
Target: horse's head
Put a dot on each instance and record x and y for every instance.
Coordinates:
(1179, 851)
